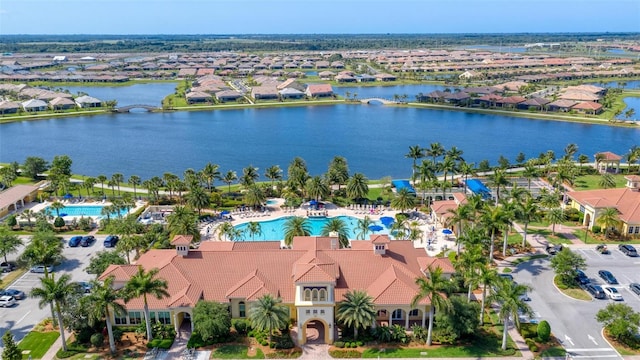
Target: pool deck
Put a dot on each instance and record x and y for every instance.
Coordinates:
(66, 203)
(431, 230)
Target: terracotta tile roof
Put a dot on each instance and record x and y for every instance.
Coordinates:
(633, 178)
(380, 239)
(15, 194)
(626, 201)
(182, 240)
(609, 156)
(218, 271)
(588, 105)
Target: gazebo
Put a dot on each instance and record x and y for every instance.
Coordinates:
(606, 161)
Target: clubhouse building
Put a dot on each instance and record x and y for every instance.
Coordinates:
(311, 277)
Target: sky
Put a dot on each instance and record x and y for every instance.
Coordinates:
(316, 16)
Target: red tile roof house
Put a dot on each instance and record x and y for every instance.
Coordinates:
(310, 278)
(626, 200)
(319, 90)
(588, 107)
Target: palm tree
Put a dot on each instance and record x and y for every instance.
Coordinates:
(608, 218)
(117, 178)
(9, 242)
(268, 313)
(555, 216)
(467, 169)
(415, 153)
(338, 172)
(55, 294)
(102, 301)
(142, 284)
(487, 276)
(273, 173)
(317, 188)
(527, 211)
(28, 214)
(357, 310)
(339, 226)
(499, 180)
(183, 221)
(134, 180)
(403, 200)
(210, 173)
(509, 295)
(198, 199)
(45, 248)
(434, 287)
(57, 206)
(607, 181)
(295, 226)
(229, 178)
(249, 176)
(435, 150)
(102, 180)
(363, 227)
(254, 228)
(530, 172)
(357, 186)
(468, 264)
(569, 151)
(224, 230)
(494, 218)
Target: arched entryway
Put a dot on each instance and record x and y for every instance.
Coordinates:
(183, 322)
(587, 219)
(315, 331)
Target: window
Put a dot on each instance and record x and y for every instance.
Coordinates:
(242, 309)
(307, 295)
(323, 295)
(382, 313)
(631, 228)
(164, 317)
(135, 317)
(322, 312)
(315, 311)
(120, 319)
(413, 312)
(152, 316)
(397, 314)
(314, 295)
(308, 312)
(637, 229)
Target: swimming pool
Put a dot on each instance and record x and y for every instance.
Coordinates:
(82, 210)
(274, 229)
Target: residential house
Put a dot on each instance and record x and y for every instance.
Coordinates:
(34, 105)
(198, 97)
(510, 102)
(326, 75)
(561, 105)
(535, 103)
(311, 277)
(319, 90)
(291, 93)
(385, 77)
(9, 107)
(16, 197)
(228, 95)
(365, 78)
(291, 83)
(625, 200)
(61, 103)
(457, 98)
(264, 92)
(470, 74)
(588, 107)
(86, 101)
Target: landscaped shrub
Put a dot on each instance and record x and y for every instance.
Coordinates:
(241, 326)
(544, 331)
(73, 348)
(195, 341)
(345, 354)
(596, 229)
(532, 345)
(97, 340)
(572, 214)
(264, 343)
(339, 344)
(117, 335)
(528, 331)
(58, 222)
(283, 342)
(359, 343)
(160, 343)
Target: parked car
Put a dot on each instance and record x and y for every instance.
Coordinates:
(87, 241)
(628, 250)
(7, 267)
(506, 276)
(582, 278)
(111, 241)
(75, 241)
(613, 293)
(635, 287)
(40, 269)
(608, 277)
(84, 286)
(602, 249)
(7, 301)
(553, 249)
(596, 291)
(17, 294)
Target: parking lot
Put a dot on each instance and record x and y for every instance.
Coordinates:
(26, 314)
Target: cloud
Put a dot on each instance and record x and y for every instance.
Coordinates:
(3, 12)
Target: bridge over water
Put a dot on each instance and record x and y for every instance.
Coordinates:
(128, 108)
(380, 100)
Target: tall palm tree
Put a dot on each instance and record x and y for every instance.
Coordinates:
(9, 242)
(273, 173)
(527, 211)
(403, 200)
(229, 177)
(607, 181)
(499, 180)
(434, 287)
(295, 226)
(210, 173)
(468, 264)
(357, 310)
(249, 176)
(467, 169)
(494, 218)
(608, 218)
(198, 199)
(509, 295)
(447, 165)
(254, 228)
(357, 186)
(460, 216)
(142, 284)
(45, 248)
(135, 181)
(569, 151)
(338, 172)
(363, 227)
(102, 180)
(224, 230)
(183, 221)
(530, 172)
(117, 178)
(435, 150)
(102, 301)
(339, 226)
(57, 206)
(415, 153)
(555, 216)
(488, 276)
(268, 313)
(317, 188)
(55, 294)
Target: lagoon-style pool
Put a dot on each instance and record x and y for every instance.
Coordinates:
(274, 229)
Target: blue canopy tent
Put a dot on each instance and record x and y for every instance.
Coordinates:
(477, 187)
(67, 196)
(375, 228)
(403, 184)
(387, 221)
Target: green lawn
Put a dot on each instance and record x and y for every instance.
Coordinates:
(235, 352)
(590, 182)
(516, 238)
(591, 239)
(38, 343)
(576, 293)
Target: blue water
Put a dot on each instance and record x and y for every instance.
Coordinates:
(387, 92)
(631, 84)
(274, 229)
(147, 94)
(632, 103)
(83, 210)
(373, 138)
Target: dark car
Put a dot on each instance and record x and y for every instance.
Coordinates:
(608, 277)
(582, 278)
(506, 276)
(75, 241)
(628, 250)
(17, 294)
(635, 287)
(87, 240)
(111, 241)
(602, 249)
(596, 291)
(6, 267)
(553, 249)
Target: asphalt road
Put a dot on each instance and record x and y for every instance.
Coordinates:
(573, 321)
(21, 318)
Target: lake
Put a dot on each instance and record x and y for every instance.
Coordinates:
(147, 94)
(373, 139)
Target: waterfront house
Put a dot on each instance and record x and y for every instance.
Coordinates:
(625, 200)
(457, 98)
(385, 77)
(311, 277)
(34, 105)
(470, 74)
(291, 83)
(326, 75)
(510, 102)
(579, 96)
(264, 92)
(228, 95)
(535, 103)
(489, 100)
(61, 103)
(588, 107)
(86, 101)
(198, 97)
(16, 197)
(319, 90)
(9, 107)
(365, 78)
(561, 105)
(291, 93)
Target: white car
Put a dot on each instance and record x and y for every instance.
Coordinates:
(612, 293)
(40, 269)
(7, 301)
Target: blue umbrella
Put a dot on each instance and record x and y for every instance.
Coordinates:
(63, 214)
(447, 231)
(375, 228)
(225, 212)
(313, 202)
(67, 196)
(387, 220)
